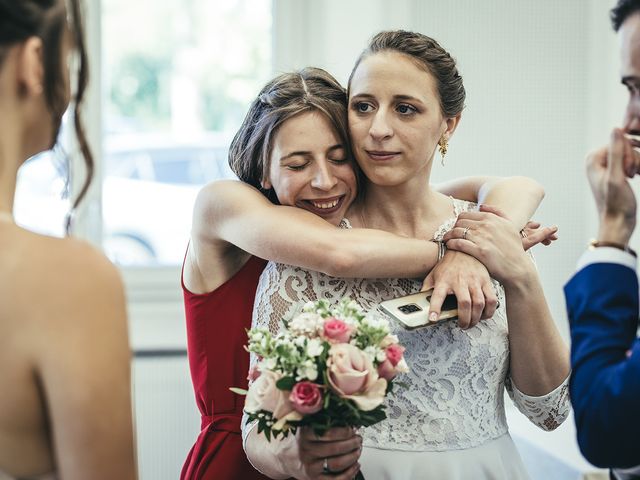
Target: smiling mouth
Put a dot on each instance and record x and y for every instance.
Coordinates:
(323, 206)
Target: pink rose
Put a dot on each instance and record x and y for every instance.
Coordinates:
(386, 370)
(306, 397)
(394, 363)
(352, 375)
(264, 395)
(394, 353)
(337, 331)
(254, 373)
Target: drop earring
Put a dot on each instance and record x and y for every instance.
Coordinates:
(443, 143)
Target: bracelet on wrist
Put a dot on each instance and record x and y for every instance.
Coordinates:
(442, 248)
(593, 244)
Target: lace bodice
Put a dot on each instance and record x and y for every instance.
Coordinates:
(455, 388)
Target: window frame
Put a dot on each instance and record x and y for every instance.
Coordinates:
(153, 291)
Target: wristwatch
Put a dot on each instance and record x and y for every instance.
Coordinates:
(593, 244)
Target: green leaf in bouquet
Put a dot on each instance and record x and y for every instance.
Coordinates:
(389, 388)
(327, 399)
(355, 411)
(401, 384)
(319, 429)
(321, 307)
(372, 417)
(286, 383)
(238, 391)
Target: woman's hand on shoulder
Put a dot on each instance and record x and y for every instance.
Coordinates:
(468, 279)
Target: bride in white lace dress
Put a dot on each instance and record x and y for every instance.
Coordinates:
(449, 422)
(405, 98)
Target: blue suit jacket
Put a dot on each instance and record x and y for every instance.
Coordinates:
(602, 301)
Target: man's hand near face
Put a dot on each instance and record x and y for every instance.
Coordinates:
(608, 170)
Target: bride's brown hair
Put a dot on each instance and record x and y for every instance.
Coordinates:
(428, 55)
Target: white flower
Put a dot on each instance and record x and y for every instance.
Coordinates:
(371, 352)
(307, 324)
(393, 339)
(381, 355)
(351, 321)
(308, 370)
(268, 364)
(309, 307)
(375, 321)
(314, 347)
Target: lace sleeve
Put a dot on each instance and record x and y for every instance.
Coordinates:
(246, 430)
(282, 292)
(547, 411)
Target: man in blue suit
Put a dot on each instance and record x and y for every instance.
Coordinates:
(602, 297)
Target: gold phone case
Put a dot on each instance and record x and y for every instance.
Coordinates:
(412, 311)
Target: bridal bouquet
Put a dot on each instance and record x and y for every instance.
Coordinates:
(329, 367)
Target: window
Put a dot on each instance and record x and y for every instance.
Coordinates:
(177, 80)
(41, 203)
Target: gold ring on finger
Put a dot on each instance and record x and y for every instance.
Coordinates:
(325, 466)
(464, 233)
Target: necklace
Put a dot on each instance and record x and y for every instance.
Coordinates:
(6, 216)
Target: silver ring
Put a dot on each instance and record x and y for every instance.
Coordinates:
(464, 233)
(325, 466)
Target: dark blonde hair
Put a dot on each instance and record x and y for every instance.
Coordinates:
(428, 55)
(47, 19)
(284, 97)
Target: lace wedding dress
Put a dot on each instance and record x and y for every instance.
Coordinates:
(449, 423)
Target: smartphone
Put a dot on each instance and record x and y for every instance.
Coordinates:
(412, 311)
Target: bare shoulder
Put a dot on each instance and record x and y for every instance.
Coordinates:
(60, 295)
(70, 275)
(81, 261)
(221, 188)
(220, 202)
(212, 258)
(226, 196)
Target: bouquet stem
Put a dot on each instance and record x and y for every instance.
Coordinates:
(359, 475)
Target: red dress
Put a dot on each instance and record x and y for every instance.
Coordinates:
(216, 323)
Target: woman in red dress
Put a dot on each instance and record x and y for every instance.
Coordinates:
(297, 125)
